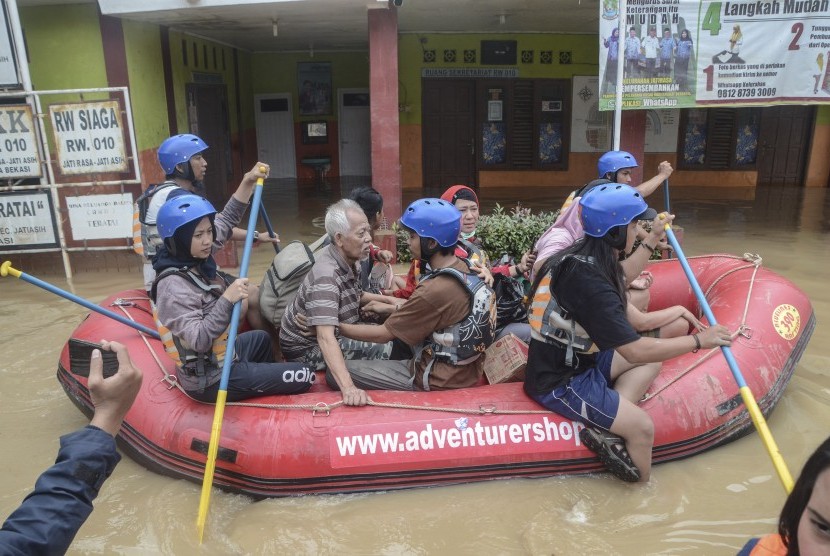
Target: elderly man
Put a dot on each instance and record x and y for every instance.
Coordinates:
(449, 319)
(330, 295)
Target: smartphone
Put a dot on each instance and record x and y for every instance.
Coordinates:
(80, 354)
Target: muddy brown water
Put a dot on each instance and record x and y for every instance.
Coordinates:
(707, 504)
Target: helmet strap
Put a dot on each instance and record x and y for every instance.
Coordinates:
(170, 243)
(616, 237)
(427, 253)
(184, 170)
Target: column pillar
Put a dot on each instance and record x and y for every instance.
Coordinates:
(383, 94)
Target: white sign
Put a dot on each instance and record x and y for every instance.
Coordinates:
(661, 130)
(26, 221)
(590, 128)
(18, 143)
(101, 216)
(89, 137)
(8, 68)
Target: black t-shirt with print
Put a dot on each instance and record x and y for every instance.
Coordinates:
(596, 305)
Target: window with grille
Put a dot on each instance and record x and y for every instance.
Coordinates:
(523, 124)
(718, 138)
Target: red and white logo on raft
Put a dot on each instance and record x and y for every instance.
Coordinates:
(451, 439)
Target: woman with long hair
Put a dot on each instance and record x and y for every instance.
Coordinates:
(586, 362)
(681, 59)
(804, 524)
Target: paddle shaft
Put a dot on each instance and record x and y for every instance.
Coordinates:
(746, 394)
(668, 203)
(264, 214)
(7, 269)
(222, 394)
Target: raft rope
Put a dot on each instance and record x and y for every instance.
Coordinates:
(319, 407)
(754, 259)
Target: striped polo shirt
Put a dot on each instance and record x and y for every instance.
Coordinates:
(330, 294)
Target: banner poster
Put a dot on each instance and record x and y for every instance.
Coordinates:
(27, 221)
(684, 54)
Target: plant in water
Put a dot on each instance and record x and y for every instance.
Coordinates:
(514, 232)
(501, 232)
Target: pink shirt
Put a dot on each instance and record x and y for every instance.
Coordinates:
(562, 234)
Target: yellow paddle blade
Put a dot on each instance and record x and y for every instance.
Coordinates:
(767, 439)
(210, 464)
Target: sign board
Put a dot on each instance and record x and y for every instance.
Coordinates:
(27, 221)
(693, 53)
(89, 137)
(8, 64)
(18, 143)
(481, 73)
(101, 216)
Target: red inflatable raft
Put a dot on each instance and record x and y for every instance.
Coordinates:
(309, 443)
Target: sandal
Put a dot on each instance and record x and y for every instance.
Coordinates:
(612, 453)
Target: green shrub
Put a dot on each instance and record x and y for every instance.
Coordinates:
(500, 232)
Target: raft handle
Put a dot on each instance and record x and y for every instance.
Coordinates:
(321, 407)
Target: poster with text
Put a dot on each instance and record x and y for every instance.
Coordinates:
(27, 221)
(101, 216)
(683, 53)
(590, 128)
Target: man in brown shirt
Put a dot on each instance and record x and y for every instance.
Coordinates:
(449, 319)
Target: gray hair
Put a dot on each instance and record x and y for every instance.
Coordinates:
(337, 220)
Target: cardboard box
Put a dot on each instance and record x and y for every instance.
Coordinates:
(505, 360)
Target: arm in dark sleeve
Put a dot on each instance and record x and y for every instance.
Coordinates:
(48, 519)
(596, 306)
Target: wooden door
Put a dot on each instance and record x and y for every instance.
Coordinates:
(783, 144)
(448, 116)
(207, 110)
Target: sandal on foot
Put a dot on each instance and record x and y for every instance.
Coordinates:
(612, 453)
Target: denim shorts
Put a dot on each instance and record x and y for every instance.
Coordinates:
(588, 396)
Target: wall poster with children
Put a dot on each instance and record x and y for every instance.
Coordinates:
(687, 53)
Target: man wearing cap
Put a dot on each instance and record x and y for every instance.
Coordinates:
(448, 320)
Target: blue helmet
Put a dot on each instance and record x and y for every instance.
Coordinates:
(613, 161)
(177, 149)
(177, 212)
(435, 219)
(611, 205)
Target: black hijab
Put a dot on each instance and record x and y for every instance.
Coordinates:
(175, 253)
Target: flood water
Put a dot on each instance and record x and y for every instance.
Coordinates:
(707, 504)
